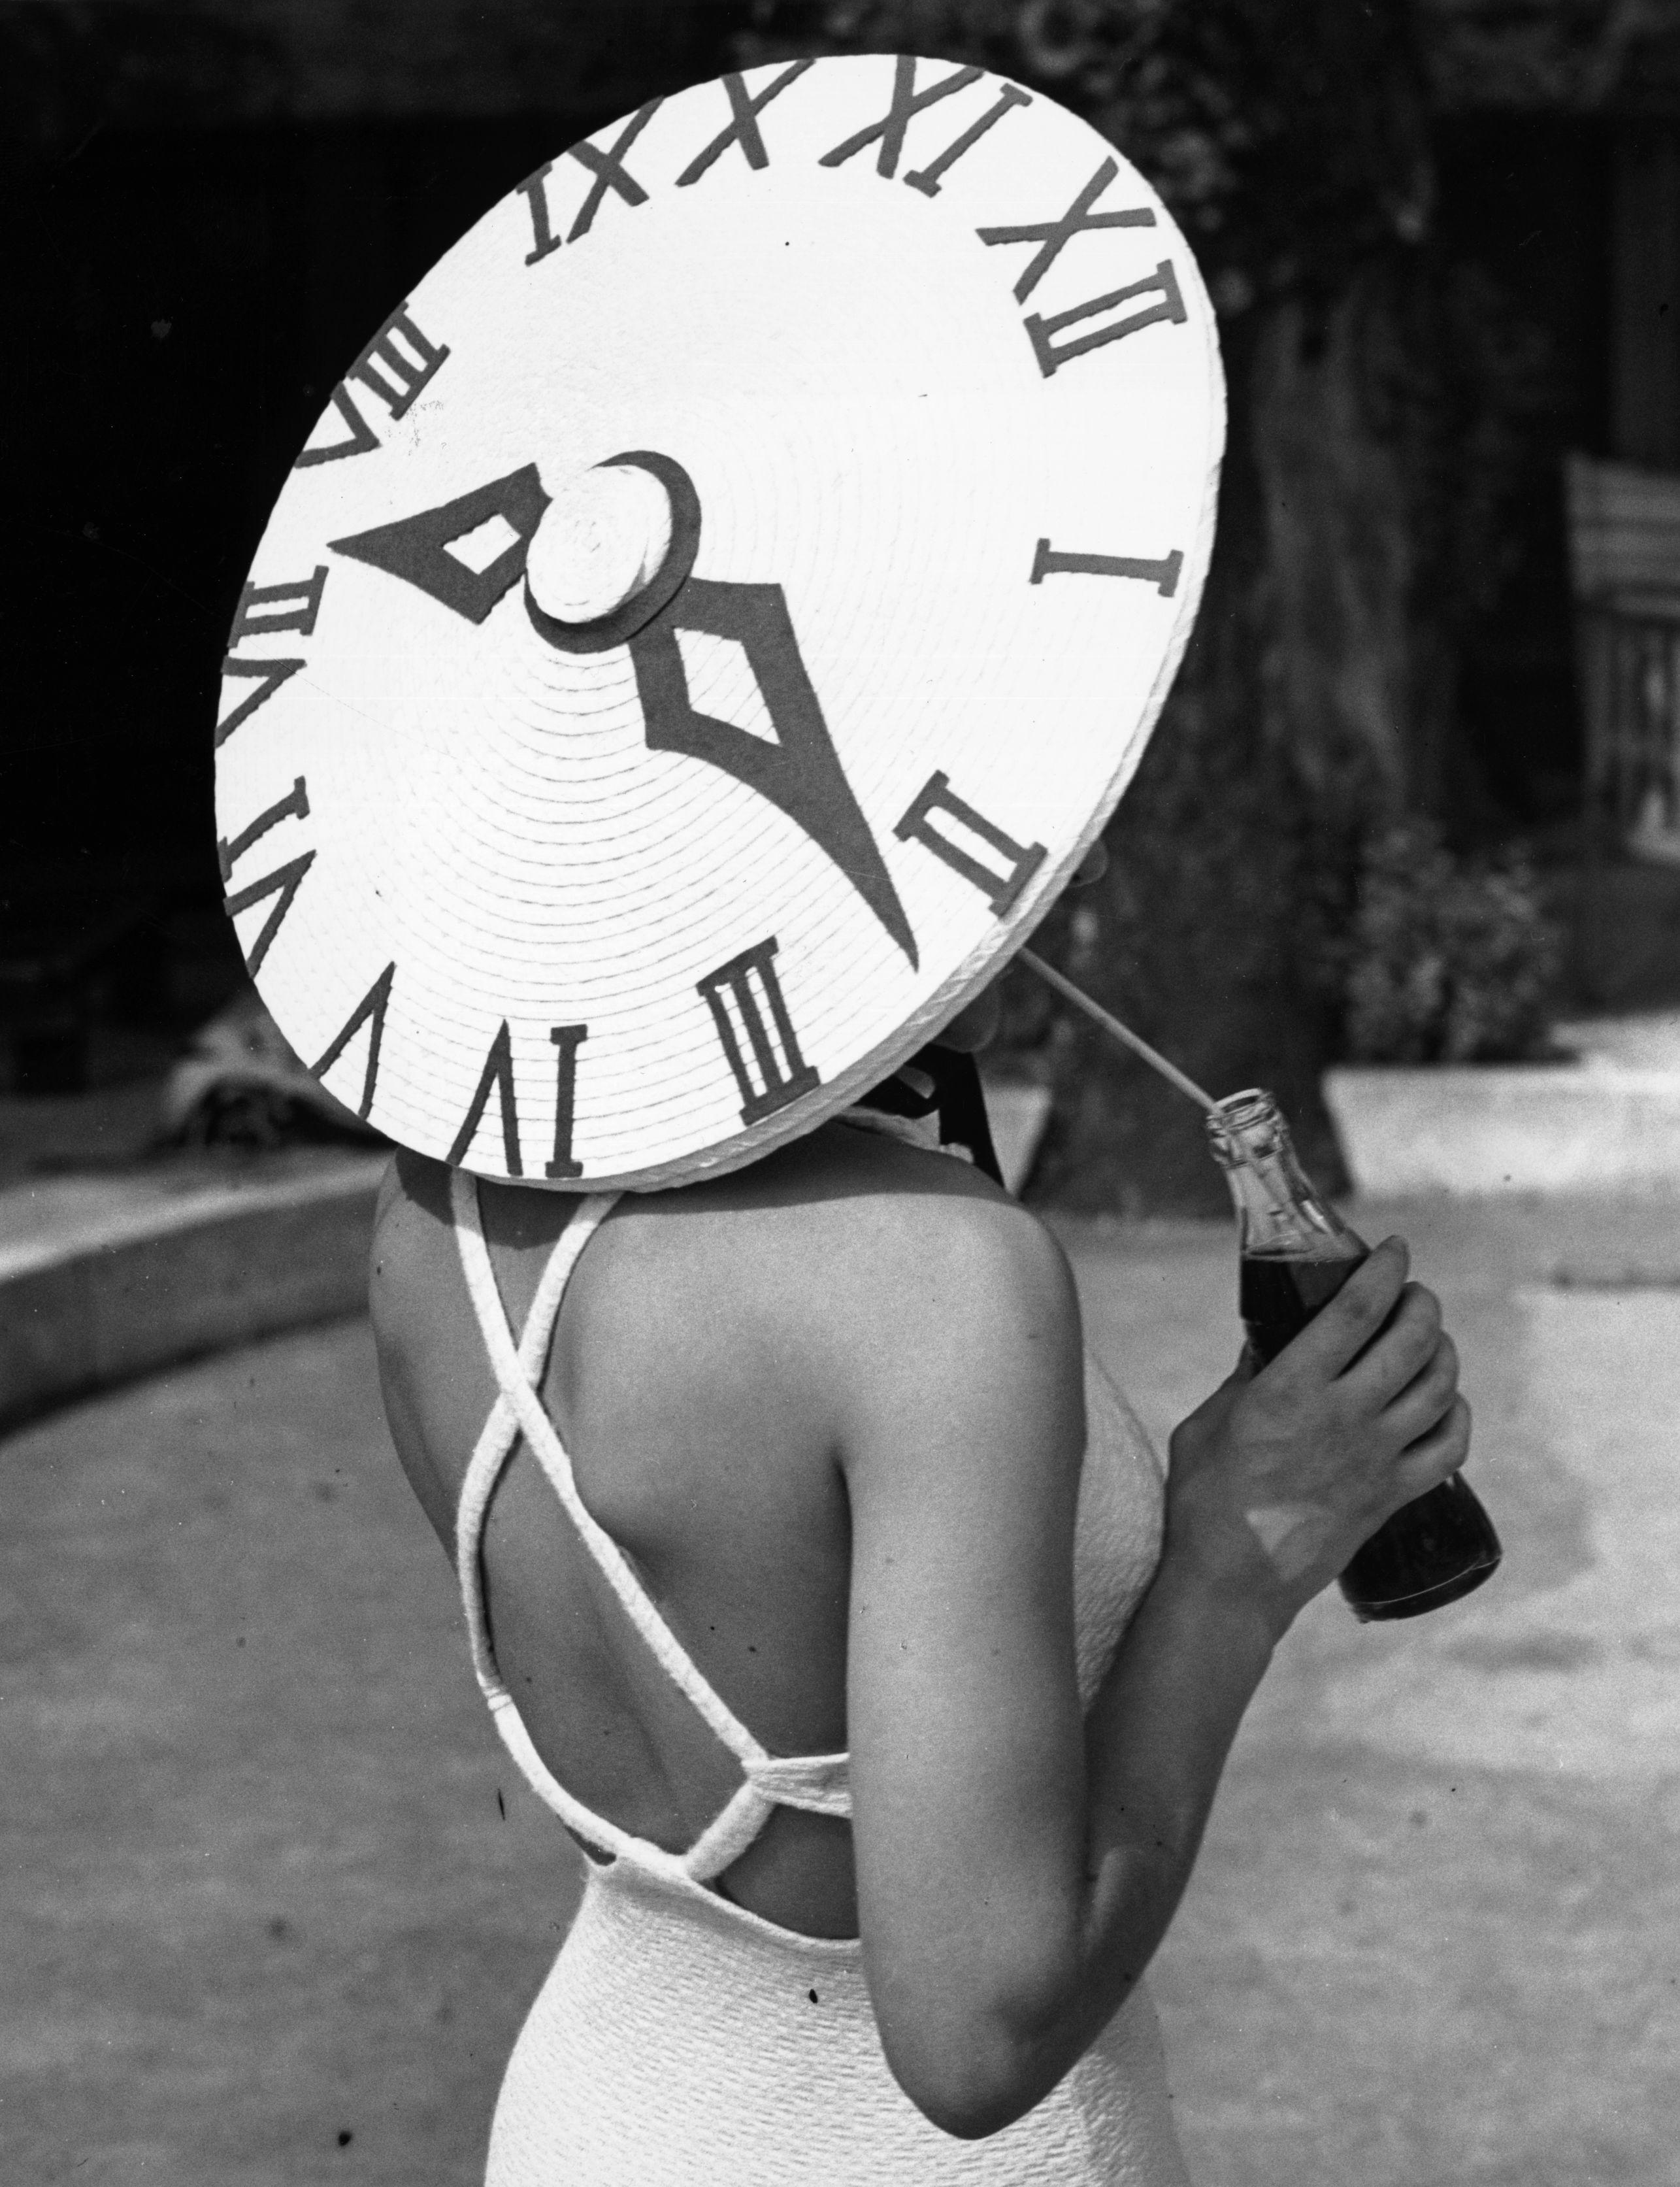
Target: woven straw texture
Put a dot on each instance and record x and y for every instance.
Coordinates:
(942, 380)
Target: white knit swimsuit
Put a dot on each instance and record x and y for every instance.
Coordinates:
(682, 2041)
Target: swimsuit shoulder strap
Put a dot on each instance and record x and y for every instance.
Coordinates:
(519, 1411)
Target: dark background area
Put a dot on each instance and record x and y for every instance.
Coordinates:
(183, 292)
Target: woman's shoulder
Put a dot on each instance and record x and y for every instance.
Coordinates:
(857, 1227)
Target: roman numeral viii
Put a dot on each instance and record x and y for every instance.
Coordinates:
(397, 365)
(762, 1053)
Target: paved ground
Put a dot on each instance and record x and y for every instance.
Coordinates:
(264, 1921)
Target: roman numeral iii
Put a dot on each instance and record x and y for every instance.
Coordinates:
(762, 1053)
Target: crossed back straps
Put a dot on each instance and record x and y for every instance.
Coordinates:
(818, 1782)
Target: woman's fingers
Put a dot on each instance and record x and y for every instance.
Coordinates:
(1341, 1330)
(1426, 1398)
(1399, 1352)
(1437, 1455)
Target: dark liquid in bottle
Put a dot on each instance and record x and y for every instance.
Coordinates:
(1433, 1551)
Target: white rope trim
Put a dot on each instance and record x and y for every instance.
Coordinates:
(490, 1454)
(820, 1784)
(515, 1372)
(729, 1833)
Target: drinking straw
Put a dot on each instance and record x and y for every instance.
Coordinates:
(1124, 1034)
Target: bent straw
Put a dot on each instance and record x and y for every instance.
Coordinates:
(1124, 1034)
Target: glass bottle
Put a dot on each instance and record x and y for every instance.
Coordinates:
(1295, 1253)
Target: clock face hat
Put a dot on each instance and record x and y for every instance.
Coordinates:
(712, 618)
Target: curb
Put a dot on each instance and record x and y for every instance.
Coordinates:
(104, 1278)
(1474, 1129)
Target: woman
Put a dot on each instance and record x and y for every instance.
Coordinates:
(744, 621)
(832, 1409)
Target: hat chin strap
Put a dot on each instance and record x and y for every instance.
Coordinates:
(955, 1094)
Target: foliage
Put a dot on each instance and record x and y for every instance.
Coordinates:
(1449, 960)
(1270, 126)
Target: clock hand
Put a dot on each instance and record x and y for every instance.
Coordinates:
(416, 549)
(800, 772)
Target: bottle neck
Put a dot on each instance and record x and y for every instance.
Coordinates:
(1280, 1215)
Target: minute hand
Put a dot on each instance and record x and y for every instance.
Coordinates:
(800, 772)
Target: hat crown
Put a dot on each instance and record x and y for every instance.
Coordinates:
(601, 539)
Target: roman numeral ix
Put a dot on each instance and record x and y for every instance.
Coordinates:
(609, 171)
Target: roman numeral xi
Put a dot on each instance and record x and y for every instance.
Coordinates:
(889, 133)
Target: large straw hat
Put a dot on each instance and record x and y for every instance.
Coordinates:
(713, 616)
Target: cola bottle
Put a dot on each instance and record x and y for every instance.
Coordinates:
(1295, 1252)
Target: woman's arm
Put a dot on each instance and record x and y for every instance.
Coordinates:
(1017, 1867)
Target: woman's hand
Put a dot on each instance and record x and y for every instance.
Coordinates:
(1286, 1470)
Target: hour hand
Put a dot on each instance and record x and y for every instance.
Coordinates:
(465, 554)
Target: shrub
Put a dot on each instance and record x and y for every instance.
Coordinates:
(1449, 960)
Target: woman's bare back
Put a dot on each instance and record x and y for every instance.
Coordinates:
(697, 1378)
